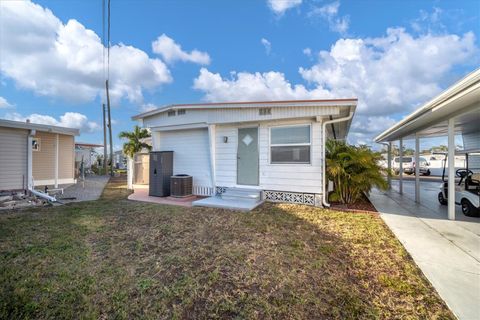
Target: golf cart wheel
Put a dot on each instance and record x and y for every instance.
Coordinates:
(427, 173)
(468, 209)
(442, 199)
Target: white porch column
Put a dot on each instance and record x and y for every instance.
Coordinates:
(56, 161)
(400, 177)
(389, 165)
(130, 173)
(30, 160)
(451, 169)
(417, 168)
(212, 145)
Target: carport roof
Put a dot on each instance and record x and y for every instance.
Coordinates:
(462, 101)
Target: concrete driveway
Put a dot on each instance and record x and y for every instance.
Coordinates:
(448, 252)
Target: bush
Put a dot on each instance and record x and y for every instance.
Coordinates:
(353, 170)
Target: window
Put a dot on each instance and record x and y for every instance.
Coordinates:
(290, 144)
(265, 111)
(171, 113)
(181, 111)
(36, 144)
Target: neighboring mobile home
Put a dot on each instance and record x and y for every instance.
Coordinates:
(276, 147)
(35, 155)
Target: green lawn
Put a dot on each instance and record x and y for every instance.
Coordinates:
(114, 258)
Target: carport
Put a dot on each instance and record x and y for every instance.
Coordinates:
(456, 111)
(446, 251)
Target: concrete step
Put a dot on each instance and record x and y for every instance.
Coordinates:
(231, 204)
(242, 193)
(239, 196)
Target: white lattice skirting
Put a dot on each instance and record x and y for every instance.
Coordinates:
(202, 191)
(290, 197)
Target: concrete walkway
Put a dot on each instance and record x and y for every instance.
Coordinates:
(90, 189)
(448, 252)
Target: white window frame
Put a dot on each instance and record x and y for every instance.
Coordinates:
(270, 145)
(39, 141)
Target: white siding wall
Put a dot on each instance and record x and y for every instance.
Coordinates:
(280, 177)
(191, 155)
(230, 115)
(13, 158)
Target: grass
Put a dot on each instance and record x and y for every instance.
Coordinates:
(114, 258)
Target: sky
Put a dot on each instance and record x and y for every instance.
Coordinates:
(392, 55)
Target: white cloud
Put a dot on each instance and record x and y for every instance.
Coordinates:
(390, 75)
(267, 45)
(329, 12)
(307, 52)
(172, 51)
(244, 86)
(280, 6)
(148, 107)
(69, 120)
(4, 103)
(41, 53)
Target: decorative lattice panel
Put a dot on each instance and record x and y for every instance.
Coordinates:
(290, 197)
(220, 190)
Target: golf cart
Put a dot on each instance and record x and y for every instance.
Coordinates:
(467, 190)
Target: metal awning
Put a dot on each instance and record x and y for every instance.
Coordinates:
(461, 101)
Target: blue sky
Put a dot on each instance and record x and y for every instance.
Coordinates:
(392, 55)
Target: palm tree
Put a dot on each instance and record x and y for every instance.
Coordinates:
(135, 142)
(353, 170)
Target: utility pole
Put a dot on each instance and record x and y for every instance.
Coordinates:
(105, 155)
(109, 129)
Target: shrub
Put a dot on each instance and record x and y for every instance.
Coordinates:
(353, 170)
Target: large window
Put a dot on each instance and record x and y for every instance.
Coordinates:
(290, 144)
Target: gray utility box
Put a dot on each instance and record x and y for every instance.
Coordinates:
(161, 169)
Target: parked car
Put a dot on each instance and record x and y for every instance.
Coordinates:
(408, 165)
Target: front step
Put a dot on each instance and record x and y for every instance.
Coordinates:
(238, 193)
(233, 199)
(241, 194)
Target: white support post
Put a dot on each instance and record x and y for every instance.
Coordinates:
(211, 140)
(56, 161)
(400, 174)
(451, 169)
(30, 160)
(130, 173)
(417, 169)
(389, 165)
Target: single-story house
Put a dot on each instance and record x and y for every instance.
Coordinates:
(34, 155)
(275, 147)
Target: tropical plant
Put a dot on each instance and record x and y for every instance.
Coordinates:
(136, 141)
(353, 170)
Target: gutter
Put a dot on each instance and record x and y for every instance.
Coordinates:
(324, 169)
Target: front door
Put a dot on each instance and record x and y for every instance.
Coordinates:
(247, 156)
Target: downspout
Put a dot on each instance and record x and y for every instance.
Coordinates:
(324, 169)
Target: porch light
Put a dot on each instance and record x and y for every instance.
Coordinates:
(225, 139)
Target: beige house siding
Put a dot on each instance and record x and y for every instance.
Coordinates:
(13, 158)
(43, 164)
(66, 157)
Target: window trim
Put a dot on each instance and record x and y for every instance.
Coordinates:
(39, 144)
(270, 145)
(171, 113)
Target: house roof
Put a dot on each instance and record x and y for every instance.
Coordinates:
(38, 127)
(248, 104)
(461, 100)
